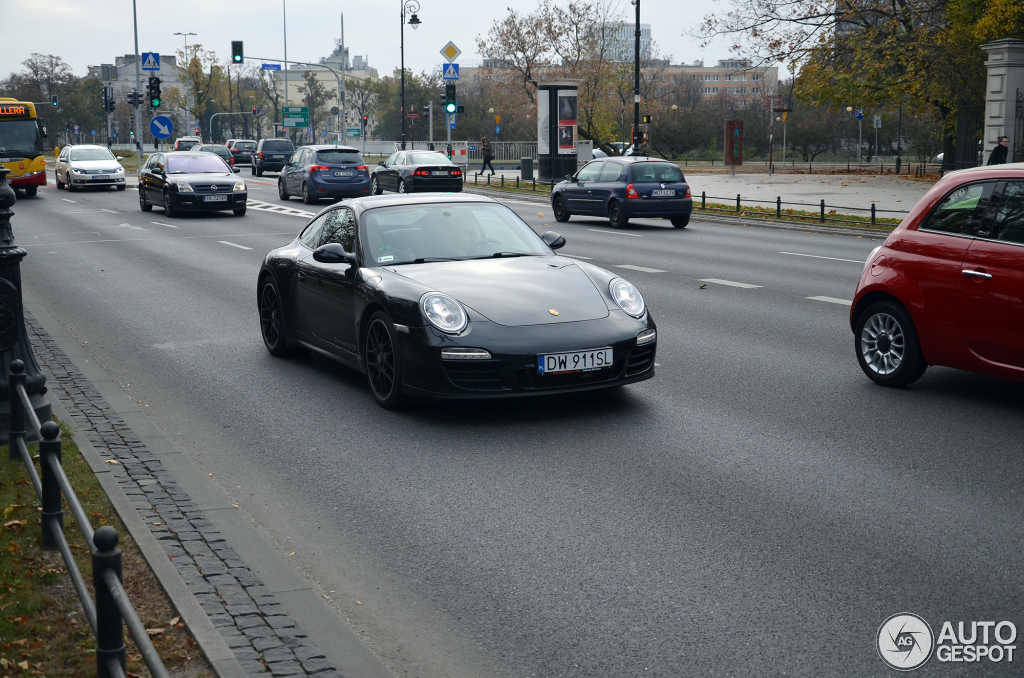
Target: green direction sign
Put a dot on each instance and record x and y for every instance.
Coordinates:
(353, 132)
(295, 116)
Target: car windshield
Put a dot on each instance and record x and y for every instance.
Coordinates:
(217, 150)
(91, 154)
(195, 164)
(339, 156)
(429, 158)
(446, 231)
(277, 146)
(185, 145)
(244, 145)
(656, 172)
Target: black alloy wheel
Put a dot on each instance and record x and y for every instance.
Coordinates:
(143, 205)
(282, 192)
(60, 184)
(383, 362)
(681, 222)
(272, 319)
(169, 205)
(374, 186)
(122, 187)
(307, 199)
(558, 207)
(240, 212)
(616, 216)
(887, 346)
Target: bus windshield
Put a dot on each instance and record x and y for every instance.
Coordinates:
(20, 139)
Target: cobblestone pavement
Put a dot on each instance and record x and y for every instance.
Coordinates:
(264, 638)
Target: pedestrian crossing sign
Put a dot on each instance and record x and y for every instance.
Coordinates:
(450, 72)
(150, 61)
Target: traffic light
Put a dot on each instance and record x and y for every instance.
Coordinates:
(53, 99)
(254, 111)
(106, 99)
(154, 92)
(449, 99)
(236, 51)
(365, 118)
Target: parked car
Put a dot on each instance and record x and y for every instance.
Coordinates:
(945, 288)
(271, 155)
(190, 181)
(241, 150)
(451, 296)
(316, 172)
(221, 152)
(187, 143)
(88, 165)
(623, 188)
(413, 171)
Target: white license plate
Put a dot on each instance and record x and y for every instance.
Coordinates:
(663, 193)
(345, 174)
(578, 361)
(101, 177)
(278, 157)
(215, 198)
(439, 174)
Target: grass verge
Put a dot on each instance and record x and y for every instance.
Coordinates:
(43, 630)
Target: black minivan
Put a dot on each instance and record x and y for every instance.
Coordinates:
(271, 155)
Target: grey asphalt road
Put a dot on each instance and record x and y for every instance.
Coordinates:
(757, 508)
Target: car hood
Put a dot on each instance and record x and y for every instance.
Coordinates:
(515, 291)
(94, 164)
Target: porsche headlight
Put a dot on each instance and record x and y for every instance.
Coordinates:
(239, 185)
(627, 297)
(183, 187)
(443, 312)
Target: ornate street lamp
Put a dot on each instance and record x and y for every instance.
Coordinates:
(411, 6)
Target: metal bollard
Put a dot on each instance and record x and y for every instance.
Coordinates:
(488, 179)
(872, 214)
(703, 200)
(810, 168)
(535, 183)
(109, 624)
(16, 426)
(49, 446)
(737, 202)
(503, 181)
(517, 183)
(778, 207)
(475, 177)
(823, 211)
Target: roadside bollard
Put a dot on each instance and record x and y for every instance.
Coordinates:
(535, 183)
(475, 177)
(109, 624)
(517, 183)
(810, 168)
(503, 181)
(872, 214)
(49, 447)
(778, 207)
(823, 211)
(737, 202)
(488, 179)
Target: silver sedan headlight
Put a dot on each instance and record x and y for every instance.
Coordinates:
(627, 297)
(443, 312)
(119, 170)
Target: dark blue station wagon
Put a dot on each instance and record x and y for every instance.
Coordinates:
(625, 188)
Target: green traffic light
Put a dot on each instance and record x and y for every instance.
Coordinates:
(449, 108)
(156, 102)
(238, 58)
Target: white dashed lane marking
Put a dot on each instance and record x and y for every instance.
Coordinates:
(815, 256)
(601, 230)
(102, 209)
(66, 200)
(832, 300)
(279, 209)
(160, 223)
(241, 247)
(730, 283)
(643, 269)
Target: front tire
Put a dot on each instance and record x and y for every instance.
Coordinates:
(122, 187)
(558, 207)
(30, 191)
(375, 186)
(681, 222)
(282, 192)
(272, 319)
(239, 212)
(169, 206)
(383, 362)
(60, 184)
(887, 346)
(307, 199)
(616, 216)
(143, 205)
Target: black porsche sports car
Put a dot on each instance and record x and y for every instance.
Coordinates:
(451, 296)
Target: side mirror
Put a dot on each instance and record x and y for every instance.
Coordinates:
(236, 170)
(568, 177)
(380, 163)
(333, 253)
(119, 158)
(553, 240)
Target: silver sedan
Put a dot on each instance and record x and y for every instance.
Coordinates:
(88, 165)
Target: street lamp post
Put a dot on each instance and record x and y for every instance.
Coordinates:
(636, 80)
(187, 63)
(408, 6)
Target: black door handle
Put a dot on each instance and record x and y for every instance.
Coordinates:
(302, 276)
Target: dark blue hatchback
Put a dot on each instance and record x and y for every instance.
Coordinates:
(625, 188)
(315, 172)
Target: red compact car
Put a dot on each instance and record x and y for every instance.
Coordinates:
(947, 286)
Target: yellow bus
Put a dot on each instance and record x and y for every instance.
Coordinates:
(21, 145)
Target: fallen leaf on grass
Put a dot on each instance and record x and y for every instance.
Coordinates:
(129, 674)
(12, 507)
(154, 632)
(19, 642)
(174, 621)
(23, 481)
(14, 525)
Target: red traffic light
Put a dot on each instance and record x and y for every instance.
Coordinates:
(254, 110)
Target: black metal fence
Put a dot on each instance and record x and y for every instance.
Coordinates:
(970, 131)
(1018, 128)
(778, 203)
(112, 609)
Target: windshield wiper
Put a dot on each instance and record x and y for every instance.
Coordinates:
(423, 260)
(499, 255)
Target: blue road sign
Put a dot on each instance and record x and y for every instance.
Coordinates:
(161, 127)
(94, 132)
(497, 129)
(271, 67)
(450, 72)
(150, 61)
(472, 147)
(859, 113)
(451, 121)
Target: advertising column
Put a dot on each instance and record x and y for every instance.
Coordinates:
(557, 111)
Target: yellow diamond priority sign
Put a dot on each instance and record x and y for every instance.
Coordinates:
(450, 52)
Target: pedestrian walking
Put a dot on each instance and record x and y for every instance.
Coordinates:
(998, 156)
(488, 154)
(645, 149)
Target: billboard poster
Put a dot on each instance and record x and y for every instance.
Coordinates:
(733, 142)
(568, 103)
(543, 122)
(566, 139)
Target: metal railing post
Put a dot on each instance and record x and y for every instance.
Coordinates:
(778, 207)
(16, 426)
(823, 210)
(109, 624)
(49, 446)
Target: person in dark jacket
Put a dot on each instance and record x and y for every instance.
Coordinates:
(998, 156)
(488, 154)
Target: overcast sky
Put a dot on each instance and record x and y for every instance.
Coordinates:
(93, 33)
